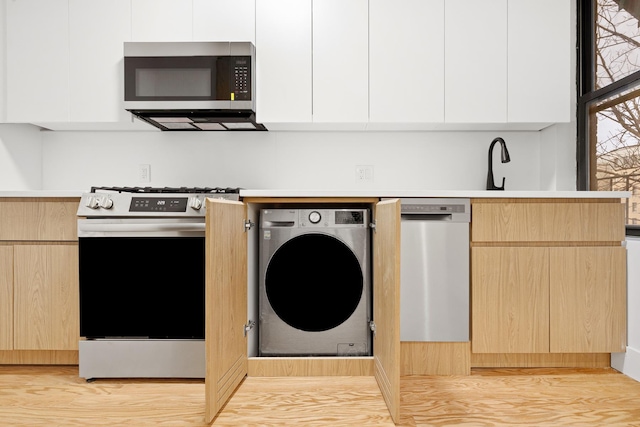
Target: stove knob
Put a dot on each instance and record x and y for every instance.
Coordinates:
(195, 203)
(106, 202)
(92, 203)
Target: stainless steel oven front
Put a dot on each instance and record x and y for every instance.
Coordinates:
(142, 285)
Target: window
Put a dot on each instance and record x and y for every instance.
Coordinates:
(609, 98)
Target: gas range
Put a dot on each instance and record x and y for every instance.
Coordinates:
(150, 321)
(169, 202)
(177, 190)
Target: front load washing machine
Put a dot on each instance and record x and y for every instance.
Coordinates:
(315, 282)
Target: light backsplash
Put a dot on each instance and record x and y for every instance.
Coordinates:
(20, 157)
(542, 160)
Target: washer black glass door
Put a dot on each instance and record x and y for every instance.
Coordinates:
(314, 282)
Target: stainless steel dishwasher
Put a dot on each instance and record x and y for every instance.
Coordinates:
(434, 277)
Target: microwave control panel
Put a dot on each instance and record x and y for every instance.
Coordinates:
(241, 69)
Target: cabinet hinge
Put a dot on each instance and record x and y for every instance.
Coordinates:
(248, 224)
(372, 326)
(372, 225)
(249, 326)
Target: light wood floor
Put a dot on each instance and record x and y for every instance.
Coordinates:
(56, 396)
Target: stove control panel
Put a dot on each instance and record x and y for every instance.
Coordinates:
(148, 205)
(158, 204)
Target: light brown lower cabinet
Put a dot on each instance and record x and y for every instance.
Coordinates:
(226, 302)
(39, 308)
(541, 300)
(548, 276)
(588, 300)
(510, 300)
(46, 313)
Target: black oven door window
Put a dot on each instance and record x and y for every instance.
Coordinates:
(142, 287)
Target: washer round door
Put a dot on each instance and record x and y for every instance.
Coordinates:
(314, 282)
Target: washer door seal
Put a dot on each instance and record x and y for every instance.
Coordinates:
(314, 282)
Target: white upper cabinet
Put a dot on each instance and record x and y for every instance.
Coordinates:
(37, 75)
(508, 62)
(97, 30)
(224, 20)
(283, 61)
(340, 61)
(539, 55)
(193, 20)
(320, 64)
(312, 62)
(406, 61)
(161, 20)
(476, 61)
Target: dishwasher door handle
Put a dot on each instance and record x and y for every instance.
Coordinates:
(426, 217)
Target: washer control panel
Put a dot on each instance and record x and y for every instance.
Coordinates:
(333, 218)
(314, 218)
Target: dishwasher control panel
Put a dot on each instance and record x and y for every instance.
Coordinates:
(423, 208)
(457, 210)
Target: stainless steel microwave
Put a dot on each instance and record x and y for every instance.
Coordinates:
(191, 85)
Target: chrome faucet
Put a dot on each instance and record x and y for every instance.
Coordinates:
(505, 159)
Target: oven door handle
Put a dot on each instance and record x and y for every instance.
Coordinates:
(90, 229)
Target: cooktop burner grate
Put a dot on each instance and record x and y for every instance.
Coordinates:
(174, 190)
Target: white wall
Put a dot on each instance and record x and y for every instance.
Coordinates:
(3, 64)
(294, 160)
(629, 362)
(20, 157)
(558, 169)
(558, 157)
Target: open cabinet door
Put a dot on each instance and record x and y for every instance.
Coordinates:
(225, 302)
(386, 303)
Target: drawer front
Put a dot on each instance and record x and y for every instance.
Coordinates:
(38, 220)
(547, 222)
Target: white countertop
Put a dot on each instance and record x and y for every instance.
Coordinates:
(42, 193)
(373, 193)
(436, 193)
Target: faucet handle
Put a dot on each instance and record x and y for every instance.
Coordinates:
(492, 186)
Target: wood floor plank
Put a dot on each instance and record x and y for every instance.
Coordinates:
(56, 396)
(307, 401)
(531, 397)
